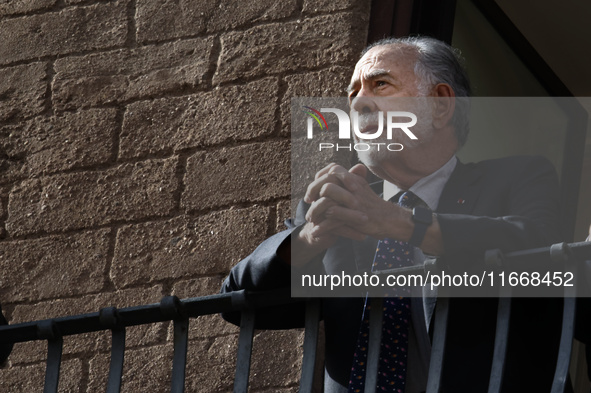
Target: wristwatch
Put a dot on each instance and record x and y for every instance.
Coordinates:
(422, 217)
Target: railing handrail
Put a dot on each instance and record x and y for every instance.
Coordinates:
(144, 314)
(179, 311)
(235, 301)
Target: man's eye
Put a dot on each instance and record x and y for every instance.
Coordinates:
(381, 83)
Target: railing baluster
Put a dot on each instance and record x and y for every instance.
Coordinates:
(439, 336)
(47, 330)
(117, 358)
(172, 308)
(501, 339)
(244, 351)
(495, 260)
(109, 318)
(54, 358)
(179, 364)
(310, 344)
(376, 315)
(561, 255)
(565, 349)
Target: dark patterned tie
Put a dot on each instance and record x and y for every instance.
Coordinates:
(393, 347)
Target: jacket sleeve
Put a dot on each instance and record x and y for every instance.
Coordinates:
(265, 270)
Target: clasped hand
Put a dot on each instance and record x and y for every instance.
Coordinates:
(343, 204)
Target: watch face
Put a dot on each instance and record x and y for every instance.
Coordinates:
(422, 215)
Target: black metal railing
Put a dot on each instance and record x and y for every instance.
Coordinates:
(570, 256)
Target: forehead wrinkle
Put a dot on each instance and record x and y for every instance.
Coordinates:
(370, 76)
(376, 73)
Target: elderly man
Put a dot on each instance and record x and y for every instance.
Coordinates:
(462, 210)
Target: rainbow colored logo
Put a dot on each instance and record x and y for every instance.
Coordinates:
(315, 114)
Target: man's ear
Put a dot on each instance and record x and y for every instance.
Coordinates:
(444, 104)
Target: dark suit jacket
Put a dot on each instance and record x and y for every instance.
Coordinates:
(510, 204)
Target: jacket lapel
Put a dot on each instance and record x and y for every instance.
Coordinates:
(461, 191)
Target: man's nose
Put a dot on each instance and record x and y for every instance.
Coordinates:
(363, 104)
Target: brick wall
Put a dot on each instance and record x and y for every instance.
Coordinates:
(144, 150)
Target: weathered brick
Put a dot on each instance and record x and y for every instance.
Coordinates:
(201, 286)
(207, 325)
(335, 5)
(210, 368)
(226, 114)
(86, 199)
(292, 46)
(45, 145)
(249, 173)
(212, 365)
(36, 351)
(53, 266)
(157, 20)
(186, 246)
(4, 192)
(31, 378)
(70, 2)
(97, 26)
(21, 7)
(331, 82)
(22, 91)
(285, 348)
(91, 342)
(146, 370)
(116, 76)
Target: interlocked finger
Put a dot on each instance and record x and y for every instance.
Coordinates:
(328, 175)
(317, 211)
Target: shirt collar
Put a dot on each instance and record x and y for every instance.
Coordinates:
(429, 188)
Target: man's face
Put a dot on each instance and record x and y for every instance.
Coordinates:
(382, 75)
(384, 71)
